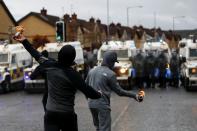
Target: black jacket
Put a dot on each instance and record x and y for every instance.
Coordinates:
(62, 82)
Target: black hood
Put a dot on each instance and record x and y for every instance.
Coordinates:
(109, 59)
(66, 55)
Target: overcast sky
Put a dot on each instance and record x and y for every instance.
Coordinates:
(164, 11)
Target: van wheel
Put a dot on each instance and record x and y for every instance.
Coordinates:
(6, 84)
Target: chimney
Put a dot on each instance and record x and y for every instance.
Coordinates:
(98, 21)
(118, 25)
(74, 16)
(43, 11)
(112, 25)
(66, 18)
(91, 20)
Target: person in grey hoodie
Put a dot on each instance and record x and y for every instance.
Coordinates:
(104, 79)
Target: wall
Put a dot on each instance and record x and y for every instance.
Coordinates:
(34, 26)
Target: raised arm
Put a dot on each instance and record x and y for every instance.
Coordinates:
(34, 53)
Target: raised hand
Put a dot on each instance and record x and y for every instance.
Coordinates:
(19, 34)
(140, 96)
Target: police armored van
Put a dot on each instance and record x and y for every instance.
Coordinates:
(124, 51)
(162, 54)
(37, 85)
(188, 58)
(157, 47)
(13, 59)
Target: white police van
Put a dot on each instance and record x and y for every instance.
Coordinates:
(188, 57)
(156, 47)
(124, 51)
(13, 59)
(53, 49)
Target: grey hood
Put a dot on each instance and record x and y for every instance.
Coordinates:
(109, 59)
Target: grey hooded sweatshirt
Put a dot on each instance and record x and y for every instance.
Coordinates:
(103, 78)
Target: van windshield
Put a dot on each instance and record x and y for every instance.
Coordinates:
(3, 58)
(193, 52)
(120, 53)
(53, 55)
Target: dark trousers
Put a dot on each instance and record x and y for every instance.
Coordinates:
(175, 79)
(150, 81)
(139, 82)
(44, 100)
(57, 121)
(162, 81)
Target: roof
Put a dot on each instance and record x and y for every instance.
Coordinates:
(113, 30)
(90, 26)
(8, 12)
(50, 19)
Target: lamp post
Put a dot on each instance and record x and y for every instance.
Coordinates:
(128, 12)
(155, 20)
(107, 36)
(173, 19)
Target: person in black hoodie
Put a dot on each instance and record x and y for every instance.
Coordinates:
(63, 82)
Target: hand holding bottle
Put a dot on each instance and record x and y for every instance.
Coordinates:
(140, 96)
(19, 34)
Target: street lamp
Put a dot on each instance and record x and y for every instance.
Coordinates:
(175, 17)
(107, 21)
(128, 12)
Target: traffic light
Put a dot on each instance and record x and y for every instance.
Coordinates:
(60, 31)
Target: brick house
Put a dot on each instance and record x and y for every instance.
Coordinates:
(39, 24)
(7, 22)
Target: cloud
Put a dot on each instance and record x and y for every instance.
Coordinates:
(181, 5)
(165, 10)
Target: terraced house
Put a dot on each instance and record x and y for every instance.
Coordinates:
(7, 22)
(39, 24)
(90, 33)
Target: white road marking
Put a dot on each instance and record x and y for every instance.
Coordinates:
(121, 114)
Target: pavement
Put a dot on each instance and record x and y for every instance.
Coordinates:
(168, 109)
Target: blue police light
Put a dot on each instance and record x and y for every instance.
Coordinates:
(27, 76)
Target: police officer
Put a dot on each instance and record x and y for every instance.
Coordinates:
(86, 63)
(174, 67)
(103, 78)
(138, 65)
(162, 62)
(149, 69)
